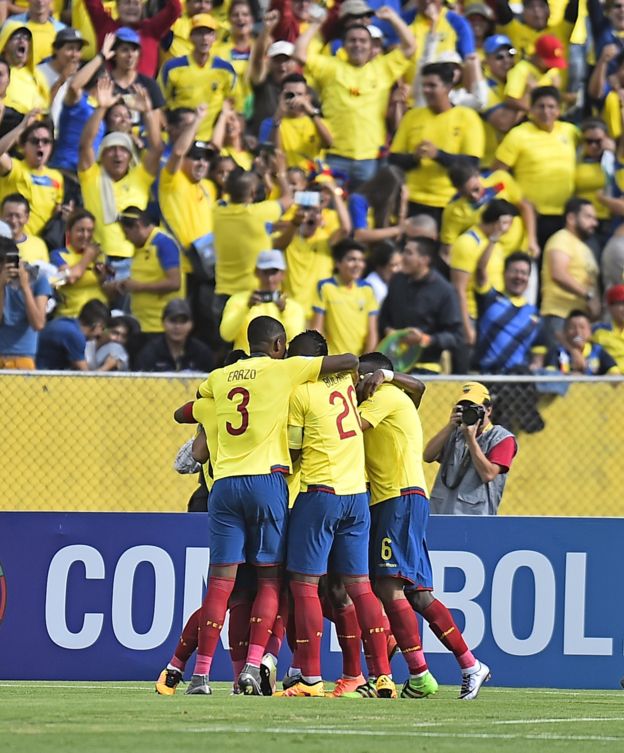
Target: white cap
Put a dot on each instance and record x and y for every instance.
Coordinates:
(281, 48)
(375, 32)
(450, 56)
(273, 259)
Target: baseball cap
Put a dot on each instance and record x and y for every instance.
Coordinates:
(124, 34)
(272, 259)
(495, 43)
(479, 9)
(375, 32)
(615, 294)
(177, 307)
(204, 21)
(68, 35)
(116, 138)
(550, 50)
(130, 214)
(450, 56)
(200, 149)
(355, 8)
(281, 48)
(474, 392)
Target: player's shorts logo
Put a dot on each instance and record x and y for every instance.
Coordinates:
(3, 593)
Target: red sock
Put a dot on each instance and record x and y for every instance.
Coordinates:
(350, 639)
(238, 633)
(370, 618)
(309, 626)
(263, 614)
(211, 618)
(278, 630)
(444, 628)
(405, 628)
(187, 643)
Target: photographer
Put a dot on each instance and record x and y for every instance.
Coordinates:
(23, 300)
(266, 300)
(474, 455)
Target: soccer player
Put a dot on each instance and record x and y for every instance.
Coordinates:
(330, 515)
(399, 559)
(249, 500)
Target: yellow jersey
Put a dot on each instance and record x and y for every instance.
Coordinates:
(300, 141)
(32, 249)
(589, 178)
(430, 41)
(43, 187)
(308, 260)
(493, 137)
(251, 399)
(355, 100)
(186, 208)
(28, 90)
(205, 414)
(543, 163)
(132, 190)
(393, 445)
(186, 84)
(71, 298)
(347, 310)
(241, 231)
(465, 255)
(237, 315)
(460, 213)
(332, 452)
(582, 267)
(149, 264)
(523, 37)
(239, 60)
(456, 131)
(612, 114)
(524, 75)
(612, 340)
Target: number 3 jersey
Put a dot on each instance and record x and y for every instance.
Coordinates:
(251, 403)
(332, 446)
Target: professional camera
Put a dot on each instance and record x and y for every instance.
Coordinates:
(472, 414)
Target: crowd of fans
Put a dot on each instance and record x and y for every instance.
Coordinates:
(168, 171)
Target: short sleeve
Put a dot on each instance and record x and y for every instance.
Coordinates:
(319, 304)
(358, 209)
(516, 82)
(377, 407)
(206, 388)
(322, 68)
(463, 255)
(167, 251)
(503, 453)
(204, 411)
(42, 286)
(298, 406)
(269, 211)
(75, 344)
(394, 64)
(302, 369)
(509, 149)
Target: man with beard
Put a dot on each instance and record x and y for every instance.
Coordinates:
(570, 271)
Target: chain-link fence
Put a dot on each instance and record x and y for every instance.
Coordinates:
(107, 443)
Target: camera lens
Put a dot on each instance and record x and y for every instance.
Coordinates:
(289, 95)
(470, 415)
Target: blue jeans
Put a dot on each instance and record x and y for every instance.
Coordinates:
(352, 171)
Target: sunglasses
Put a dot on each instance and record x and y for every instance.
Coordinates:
(40, 142)
(505, 55)
(593, 142)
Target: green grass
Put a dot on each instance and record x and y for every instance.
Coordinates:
(93, 717)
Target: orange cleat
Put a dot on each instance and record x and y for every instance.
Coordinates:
(346, 685)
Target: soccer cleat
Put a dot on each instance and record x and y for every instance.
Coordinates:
(290, 680)
(249, 680)
(268, 674)
(420, 687)
(471, 683)
(346, 685)
(303, 689)
(365, 690)
(385, 687)
(168, 681)
(198, 686)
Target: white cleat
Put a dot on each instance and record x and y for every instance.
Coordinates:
(268, 674)
(473, 680)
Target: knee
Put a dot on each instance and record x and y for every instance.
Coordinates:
(420, 600)
(386, 589)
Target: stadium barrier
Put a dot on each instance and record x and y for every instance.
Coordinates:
(107, 443)
(96, 596)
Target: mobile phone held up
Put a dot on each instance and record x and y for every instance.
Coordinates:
(266, 296)
(307, 199)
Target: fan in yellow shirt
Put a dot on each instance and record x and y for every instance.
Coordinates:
(430, 139)
(345, 307)
(28, 89)
(543, 68)
(15, 212)
(266, 300)
(541, 155)
(178, 42)
(235, 48)
(466, 251)
(355, 92)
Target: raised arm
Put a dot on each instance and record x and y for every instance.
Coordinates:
(258, 65)
(303, 42)
(406, 38)
(82, 76)
(155, 146)
(8, 141)
(184, 141)
(335, 364)
(159, 24)
(105, 98)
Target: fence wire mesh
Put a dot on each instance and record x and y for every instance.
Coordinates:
(107, 443)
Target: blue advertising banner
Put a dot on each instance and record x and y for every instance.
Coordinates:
(103, 596)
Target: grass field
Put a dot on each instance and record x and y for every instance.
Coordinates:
(93, 717)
